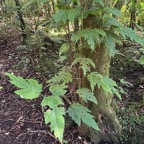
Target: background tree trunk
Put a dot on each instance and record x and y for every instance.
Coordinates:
(133, 14)
(22, 23)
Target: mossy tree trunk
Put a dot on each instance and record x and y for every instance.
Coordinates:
(103, 112)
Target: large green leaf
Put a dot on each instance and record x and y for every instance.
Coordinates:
(84, 62)
(58, 89)
(63, 76)
(79, 114)
(56, 119)
(110, 44)
(104, 82)
(94, 11)
(94, 78)
(54, 115)
(86, 95)
(52, 101)
(64, 15)
(89, 35)
(29, 88)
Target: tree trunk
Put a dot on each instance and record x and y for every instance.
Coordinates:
(133, 14)
(22, 23)
(103, 112)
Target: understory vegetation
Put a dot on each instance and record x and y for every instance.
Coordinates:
(71, 71)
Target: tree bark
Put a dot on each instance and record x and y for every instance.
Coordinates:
(22, 23)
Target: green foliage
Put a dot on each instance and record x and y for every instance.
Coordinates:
(56, 120)
(132, 35)
(1, 87)
(80, 114)
(107, 84)
(110, 44)
(64, 15)
(52, 101)
(63, 76)
(85, 63)
(58, 89)
(141, 60)
(99, 2)
(54, 115)
(64, 48)
(86, 95)
(29, 88)
(113, 86)
(90, 35)
(125, 83)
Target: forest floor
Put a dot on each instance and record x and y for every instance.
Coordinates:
(21, 121)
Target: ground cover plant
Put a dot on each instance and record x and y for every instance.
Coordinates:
(69, 73)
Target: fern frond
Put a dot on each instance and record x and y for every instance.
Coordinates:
(104, 82)
(58, 89)
(63, 76)
(79, 114)
(86, 95)
(85, 63)
(89, 35)
(69, 14)
(64, 48)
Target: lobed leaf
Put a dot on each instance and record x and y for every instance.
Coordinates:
(63, 76)
(56, 119)
(85, 63)
(104, 82)
(79, 114)
(86, 95)
(29, 88)
(58, 89)
(93, 78)
(64, 15)
(52, 101)
(89, 35)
